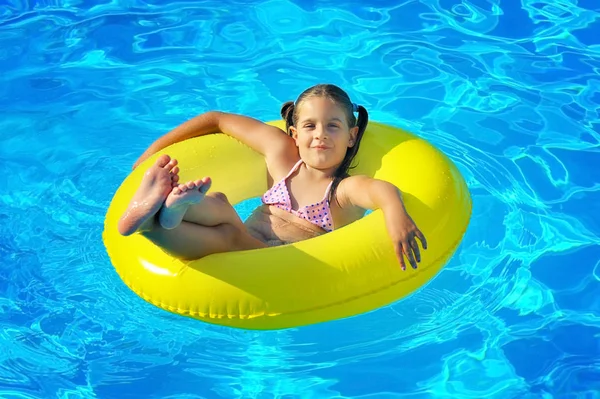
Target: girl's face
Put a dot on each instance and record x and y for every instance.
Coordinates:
(322, 133)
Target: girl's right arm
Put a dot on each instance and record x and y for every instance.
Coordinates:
(265, 139)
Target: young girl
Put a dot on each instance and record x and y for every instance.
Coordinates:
(311, 192)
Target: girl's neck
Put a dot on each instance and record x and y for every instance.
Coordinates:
(317, 174)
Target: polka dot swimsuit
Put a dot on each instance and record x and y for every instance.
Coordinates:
(318, 213)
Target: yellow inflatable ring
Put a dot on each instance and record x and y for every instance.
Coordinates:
(347, 272)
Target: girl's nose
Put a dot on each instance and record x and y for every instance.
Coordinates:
(320, 132)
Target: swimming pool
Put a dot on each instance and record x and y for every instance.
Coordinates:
(509, 92)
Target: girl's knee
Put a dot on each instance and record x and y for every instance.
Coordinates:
(222, 206)
(219, 196)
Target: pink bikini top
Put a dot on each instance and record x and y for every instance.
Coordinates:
(318, 213)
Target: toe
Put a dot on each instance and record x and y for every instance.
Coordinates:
(175, 170)
(206, 182)
(171, 164)
(163, 160)
(175, 178)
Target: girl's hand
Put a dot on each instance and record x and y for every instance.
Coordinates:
(404, 234)
(368, 193)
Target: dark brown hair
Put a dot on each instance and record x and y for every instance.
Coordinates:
(289, 112)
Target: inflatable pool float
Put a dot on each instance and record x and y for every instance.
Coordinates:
(349, 271)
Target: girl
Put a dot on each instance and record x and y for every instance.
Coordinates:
(311, 192)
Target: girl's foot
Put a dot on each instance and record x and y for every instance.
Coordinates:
(156, 184)
(178, 201)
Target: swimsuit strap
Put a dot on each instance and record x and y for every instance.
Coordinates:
(327, 191)
(294, 168)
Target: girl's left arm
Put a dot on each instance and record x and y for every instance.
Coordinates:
(368, 193)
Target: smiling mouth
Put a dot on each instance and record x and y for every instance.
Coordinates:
(320, 147)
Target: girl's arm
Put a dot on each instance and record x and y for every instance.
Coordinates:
(368, 193)
(265, 139)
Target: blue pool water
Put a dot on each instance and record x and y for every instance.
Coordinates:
(510, 90)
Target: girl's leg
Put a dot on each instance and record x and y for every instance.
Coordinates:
(213, 225)
(192, 224)
(190, 241)
(190, 202)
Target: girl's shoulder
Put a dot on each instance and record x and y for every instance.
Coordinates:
(343, 207)
(281, 162)
(351, 191)
(354, 182)
(344, 188)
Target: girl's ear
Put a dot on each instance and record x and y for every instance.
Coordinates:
(353, 134)
(294, 132)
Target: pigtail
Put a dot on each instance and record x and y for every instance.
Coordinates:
(362, 121)
(287, 113)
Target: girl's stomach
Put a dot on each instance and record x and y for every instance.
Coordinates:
(274, 226)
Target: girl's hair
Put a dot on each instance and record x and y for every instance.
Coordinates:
(289, 112)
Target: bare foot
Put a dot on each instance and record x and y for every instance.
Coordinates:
(180, 198)
(156, 184)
